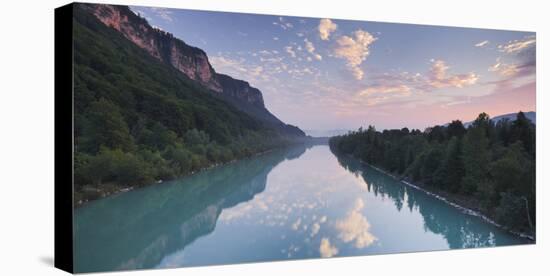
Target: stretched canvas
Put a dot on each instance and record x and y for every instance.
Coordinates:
(193, 138)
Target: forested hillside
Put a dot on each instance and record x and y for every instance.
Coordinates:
(491, 165)
(139, 120)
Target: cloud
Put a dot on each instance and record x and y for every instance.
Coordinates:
(521, 59)
(241, 69)
(355, 50)
(408, 88)
(296, 224)
(326, 27)
(283, 24)
(355, 227)
(290, 51)
(326, 249)
(521, 65)
(518, 45)
(504, 69)
(482, 43)
(309, 46)
(439, 78)
(163, 13)
(311, 49)
(315, 229)
(383, 89)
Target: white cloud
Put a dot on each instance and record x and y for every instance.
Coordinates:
(311, 49)
(290, 51)
(163, 13)
(482, 43)
(504, 69)
(315, 229)
(283, 24)
(309, 46)
(241, 69)
(326, 27)
(296, 224)
(383, 89)
(326, 249)
(518, 45)
(355, 227)
(355, 50)
(440, 79)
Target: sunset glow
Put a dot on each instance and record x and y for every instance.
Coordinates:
(324, 74)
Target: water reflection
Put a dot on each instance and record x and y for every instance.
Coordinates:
(294, 203)
(460, 231)
(355, 227)
(140, 227)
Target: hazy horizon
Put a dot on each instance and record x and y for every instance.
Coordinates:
(322, 74)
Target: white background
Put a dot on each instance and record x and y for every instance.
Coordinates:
(27, 141)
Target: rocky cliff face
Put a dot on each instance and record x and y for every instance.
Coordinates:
(191, 61)
(241, 90)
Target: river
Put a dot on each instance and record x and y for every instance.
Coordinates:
(293, 203)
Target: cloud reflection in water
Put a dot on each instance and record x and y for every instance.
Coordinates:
(355, 227)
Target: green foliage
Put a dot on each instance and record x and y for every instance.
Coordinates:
(139, 120)
(451, 172)
(105, 126)
(512, 211)
(114, 166)
(493, 164)
(476, 158)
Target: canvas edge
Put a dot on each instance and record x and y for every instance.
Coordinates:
(63, 105)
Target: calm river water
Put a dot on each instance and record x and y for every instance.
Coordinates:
(294, 203)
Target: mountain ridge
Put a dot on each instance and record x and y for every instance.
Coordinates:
(191, 61)
(530, 115)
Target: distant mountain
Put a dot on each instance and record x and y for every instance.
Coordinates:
(531, 115)
(190, 61)
(326, 133)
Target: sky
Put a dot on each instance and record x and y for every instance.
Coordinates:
(329, 74)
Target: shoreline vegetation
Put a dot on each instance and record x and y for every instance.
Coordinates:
(89, 193)
(486, 170)
(463, 204)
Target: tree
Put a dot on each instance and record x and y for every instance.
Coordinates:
(512, 212)
(476, 159)
(430, 164)
(482, 121)
(523, 131)
(99, 167)
(106, 127)
(451, 171)
(488, 162)
(456, 129)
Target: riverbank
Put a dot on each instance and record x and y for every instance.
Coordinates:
(465, 205)
(90, 193)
